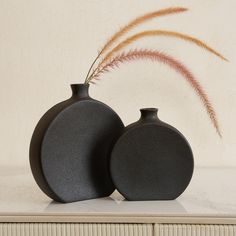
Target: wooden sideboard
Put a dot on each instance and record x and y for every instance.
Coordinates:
(207, 207)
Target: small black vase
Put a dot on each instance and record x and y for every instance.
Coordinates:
(151, 160)
(71, 146)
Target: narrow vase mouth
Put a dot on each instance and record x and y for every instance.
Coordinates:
(80, 90)
(149, 114)
(82, 85)
(149, 109)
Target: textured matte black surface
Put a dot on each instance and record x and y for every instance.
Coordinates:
(71, 146)
(151, 160)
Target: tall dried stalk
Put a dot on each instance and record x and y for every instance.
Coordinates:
(134, 23)
(151, 33)
(174, 64)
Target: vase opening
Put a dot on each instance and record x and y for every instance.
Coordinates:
(80, 90)
(149, 113)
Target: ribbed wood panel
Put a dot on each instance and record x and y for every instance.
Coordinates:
(194, 230)
(68, 229)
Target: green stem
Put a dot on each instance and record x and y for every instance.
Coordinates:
(91, 76)
(87, 76)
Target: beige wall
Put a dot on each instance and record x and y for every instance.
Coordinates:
(47, 44)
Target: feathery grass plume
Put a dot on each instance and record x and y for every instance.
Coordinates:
(151, 33)
(174, 64)
(140, 20)
(137, 21)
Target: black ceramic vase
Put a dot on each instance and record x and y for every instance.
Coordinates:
(151, 160)
(71, 146)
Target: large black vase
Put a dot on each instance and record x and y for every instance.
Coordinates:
(151, 160)
(71, 146)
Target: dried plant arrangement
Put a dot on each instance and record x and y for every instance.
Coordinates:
(113, 54)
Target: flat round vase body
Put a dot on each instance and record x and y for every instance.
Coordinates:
(71, 146)
(151, 160)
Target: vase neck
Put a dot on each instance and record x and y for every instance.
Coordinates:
(80, 90)
(149, 114)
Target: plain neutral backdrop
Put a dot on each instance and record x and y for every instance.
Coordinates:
(46, 45)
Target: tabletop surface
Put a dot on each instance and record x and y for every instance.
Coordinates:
(211, 196)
